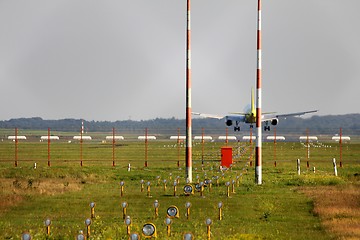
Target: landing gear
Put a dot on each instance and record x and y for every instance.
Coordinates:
(237, 127)
(267, 128)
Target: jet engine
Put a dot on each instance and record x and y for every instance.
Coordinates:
(275, 121)
(228, 122)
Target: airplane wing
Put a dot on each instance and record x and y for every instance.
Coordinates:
(206, 115)
(295, 114)
(266, 117)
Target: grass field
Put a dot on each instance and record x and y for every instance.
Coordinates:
(285, 206)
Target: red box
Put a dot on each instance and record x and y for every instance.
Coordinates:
(226, 156)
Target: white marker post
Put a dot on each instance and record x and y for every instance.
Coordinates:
(335, 169)
(298, 166)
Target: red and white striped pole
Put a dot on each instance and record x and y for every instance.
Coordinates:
(258, 152)
(82, 126)
(188, 98)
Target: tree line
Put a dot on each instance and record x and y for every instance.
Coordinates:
(330, 124)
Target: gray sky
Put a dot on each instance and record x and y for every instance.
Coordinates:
(116, 59)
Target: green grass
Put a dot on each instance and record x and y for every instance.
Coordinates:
(273, 210)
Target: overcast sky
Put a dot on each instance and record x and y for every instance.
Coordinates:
(116, 59)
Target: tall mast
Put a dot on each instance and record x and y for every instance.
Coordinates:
(188, 97)
(258, 151)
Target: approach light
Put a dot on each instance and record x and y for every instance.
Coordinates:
(142, 185)
(187, 206)
(128, 224)
(88, 223)
(92, 207)
(80, 236)
(207, 182)
(148, 189)
(122, 183)
(220, 205)
(156, 206)
(227, 184)
(175, 184)
(26, 236)
(134, 236)
(149, 230)
(233, 186)
(124, 206)
(208, 222)
(168, 222)
(198, 187)
(188, 236)
(47, 223)
(164, 184)
(201, 189)
(172, 212)
(188, 189)
(158, 180)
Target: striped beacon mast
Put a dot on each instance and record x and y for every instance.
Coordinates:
(188, 98)
(258, 152)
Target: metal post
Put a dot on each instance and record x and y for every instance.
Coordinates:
(340, 143)
(16, 147)
(258, 149)
(113, 147)
(48, 141)
(81, 142)
(335, 169)
(146, 147)
(188, 98)
(298, 166)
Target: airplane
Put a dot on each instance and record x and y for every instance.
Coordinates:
(249, 116)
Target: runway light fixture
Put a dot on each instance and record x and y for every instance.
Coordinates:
(188, 236)
(88, 223)
(156, 207)
(233, 186)
(187, 206)
(175, 183)
(128, 224)
(80, 236)
(172, 212)
(149, 230)
(201, 189)
(220, 206)
(124, 206)
(168, 222)
(134, 236)
(216, 178)
(157, 180)
(142, 185)
(92, 207)
(188, 189)
(208, 223)
(148, 189)
(227, 184)
(26, 236)
(122, 184)
(47, 223)
(164, 184)
(198, 187)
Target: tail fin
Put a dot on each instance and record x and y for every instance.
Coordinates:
(253, 110)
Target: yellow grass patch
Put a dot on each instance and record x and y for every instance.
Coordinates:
(338, 208)
(14, 190)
